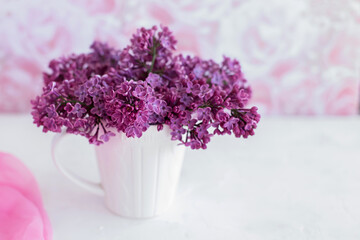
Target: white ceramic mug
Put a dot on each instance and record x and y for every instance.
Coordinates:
(139, 176)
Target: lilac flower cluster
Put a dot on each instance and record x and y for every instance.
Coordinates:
(141, 85)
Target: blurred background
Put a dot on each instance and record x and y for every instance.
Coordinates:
(301, 57)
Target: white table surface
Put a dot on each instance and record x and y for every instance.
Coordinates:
(297, 178)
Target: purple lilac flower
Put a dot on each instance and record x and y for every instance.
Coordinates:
(133, 130)
(203, 113)
(78, 110)
(145, 84)
(69, 107)
(155, 80)
(51, 111)
(80, 92)
(124, 88)
(140, 92)
(98, 110)
(198, 71)
(231, 123)
(106, 136)
(222, 116)
(216, 78)
(186, 99)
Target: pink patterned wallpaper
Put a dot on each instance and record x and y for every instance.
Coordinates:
(301, 57)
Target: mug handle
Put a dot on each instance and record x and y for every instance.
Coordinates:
(88, 185)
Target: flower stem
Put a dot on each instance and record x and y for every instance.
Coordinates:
(102, 125)
(66, 100)
(153, 54)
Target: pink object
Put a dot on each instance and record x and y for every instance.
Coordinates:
(22, 215)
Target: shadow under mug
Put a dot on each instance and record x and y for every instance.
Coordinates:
(139, 176)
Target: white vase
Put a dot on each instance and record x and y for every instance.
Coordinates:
(139, 176)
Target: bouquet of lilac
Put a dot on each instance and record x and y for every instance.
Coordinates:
(141, 85)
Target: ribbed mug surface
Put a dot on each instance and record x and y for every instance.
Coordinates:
(140, 175)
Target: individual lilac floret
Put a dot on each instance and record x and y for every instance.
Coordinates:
(141, 85)
(155, 80)
(106, 136)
